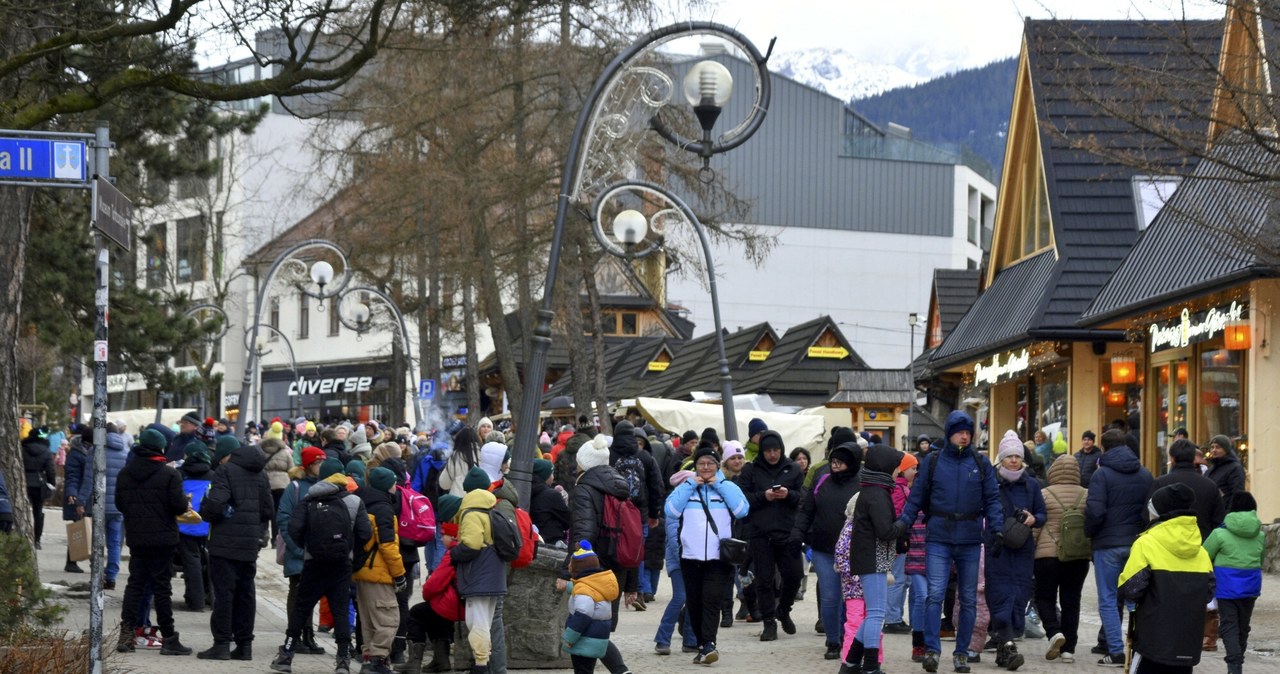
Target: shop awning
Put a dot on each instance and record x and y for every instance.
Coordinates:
(1216, 231)
(678, 416)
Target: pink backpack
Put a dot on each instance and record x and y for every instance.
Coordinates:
(417, 519)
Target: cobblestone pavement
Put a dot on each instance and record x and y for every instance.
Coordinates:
(740, 647)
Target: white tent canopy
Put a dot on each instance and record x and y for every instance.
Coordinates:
(678, 416)
(138, 419)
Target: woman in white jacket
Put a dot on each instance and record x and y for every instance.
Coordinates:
(466, 455)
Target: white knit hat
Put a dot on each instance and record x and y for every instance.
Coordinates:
(1010, 444)
(594, 453)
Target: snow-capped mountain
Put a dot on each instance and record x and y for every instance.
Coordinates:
(840, 73)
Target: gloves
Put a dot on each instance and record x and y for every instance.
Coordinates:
(402, 584)
(899, 529)
(997, 543)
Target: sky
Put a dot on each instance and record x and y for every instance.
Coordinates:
(967, 33)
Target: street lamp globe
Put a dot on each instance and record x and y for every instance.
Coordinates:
(261, 345)
(707, 87)
(360, 313)
(322, 273)
(630, 227)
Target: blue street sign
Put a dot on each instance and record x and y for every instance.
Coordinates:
(427, 389)
(43, 159)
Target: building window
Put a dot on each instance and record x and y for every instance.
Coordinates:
(197, 152)
(630, 324)
(157, 255)
(274, 319)
(335, 322)
(304, 318)
(1221, 390)
(1150, 194)
(191, 245)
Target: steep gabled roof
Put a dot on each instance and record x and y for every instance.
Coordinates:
(697, 367)
(1223, 217)
(955, 291)
(1003, 315)
(790, 369)
(626, 367)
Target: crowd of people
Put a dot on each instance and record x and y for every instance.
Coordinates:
(959, 546)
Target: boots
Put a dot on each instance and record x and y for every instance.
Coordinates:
(413, 658)
(742, 609)
(770, 632)
(480, 669)
(1210, 644)
(124, 644)
(307, 644)
(726, 616)
(849, 668)
(218, 651)
(377, 664)
(170, 645)
(242, 651)
(284, 658)
(439, 657)
(397, 651)
(871, 661)
(1008, 657)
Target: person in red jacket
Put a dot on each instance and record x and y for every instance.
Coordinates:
(433, 619)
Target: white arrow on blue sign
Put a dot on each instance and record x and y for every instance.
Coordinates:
(427, 389)
(43, 159)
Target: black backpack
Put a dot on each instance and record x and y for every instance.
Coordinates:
(330, 536)
(631, 468)
(505, 532)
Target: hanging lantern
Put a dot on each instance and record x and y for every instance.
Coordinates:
(1182, 373)
(1237, 335)
(1124, 370)
(1115, 398)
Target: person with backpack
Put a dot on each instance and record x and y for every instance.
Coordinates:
(293, 556)
(773, 485)
(598, 483)
(327, 525)
(481, 572)
(1236, 550)
(381, 573)
(1062, 560)
(705, 507)
(956, 490)
(819, 523)
(432, 620)
(1010, 562)
(193, 538)
(644, 489)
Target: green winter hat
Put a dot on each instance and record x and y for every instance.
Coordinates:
(448, 507)
(382, 479)
(225, 445)
(542, 469)
(152, 440)
(196, 452)
(357, 471)
(476, 479)
(329, 468)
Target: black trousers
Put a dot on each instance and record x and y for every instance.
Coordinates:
(149, 569)
(1234, 616)
(770, 558)
(36, 496)
(425, 624)
(276, 495)
(234, 599)
(704, 585)
(193, 550)
(1058, 585)
(612, 661)
(331, 580)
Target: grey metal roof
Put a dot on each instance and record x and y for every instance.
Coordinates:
(874, 386)
(789, 369)
(1206, 237)
(1002, 315)
(955, 290)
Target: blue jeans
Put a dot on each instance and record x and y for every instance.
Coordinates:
(646, 582)
(433, 552)
(675, 606)
(919, 584)
(830, 596)
(875, 590)
(115, 534)
(897, 591)
(938, 560)
(1107, 565)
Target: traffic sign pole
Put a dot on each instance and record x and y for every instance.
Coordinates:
(102, 277)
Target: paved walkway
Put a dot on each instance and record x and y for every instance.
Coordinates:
(740, 648)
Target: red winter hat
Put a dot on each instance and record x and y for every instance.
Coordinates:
(311, 455)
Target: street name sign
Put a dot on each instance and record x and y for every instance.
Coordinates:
(112, 212)
(43, 159)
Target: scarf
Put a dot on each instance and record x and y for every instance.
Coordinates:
(874, 478)
(1012, 475)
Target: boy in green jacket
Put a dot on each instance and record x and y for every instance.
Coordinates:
(1236, 551)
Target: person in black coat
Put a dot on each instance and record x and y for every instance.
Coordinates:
(239, 511)
(872, 548)
(1224, 467)
(37, 464)
(1183, 470)
(149, 495)
(547, 506)
(773, 485)
(77, 483)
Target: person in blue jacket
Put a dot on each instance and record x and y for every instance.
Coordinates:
(705, 506)
(955, 489)
(676, 605)
(77, 483)
(193, 539)
(117, 451)
(1009, 569)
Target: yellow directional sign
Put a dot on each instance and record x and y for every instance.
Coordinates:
(757, 356)
(828, 352)
(656, 366)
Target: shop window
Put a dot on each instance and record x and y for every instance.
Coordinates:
(1221, 391)
(1171, 405)
(1052, 410)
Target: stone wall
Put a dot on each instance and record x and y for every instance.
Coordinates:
(533, 613)
(1271, 549)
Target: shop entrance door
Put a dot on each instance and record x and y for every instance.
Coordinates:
(1171, 379)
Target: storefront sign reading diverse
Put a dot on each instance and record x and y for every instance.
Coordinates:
(1002, 367)
(1191, 328)
(329, 385)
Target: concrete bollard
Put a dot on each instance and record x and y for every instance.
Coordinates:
(533, 614)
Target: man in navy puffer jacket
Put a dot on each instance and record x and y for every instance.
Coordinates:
(1114, 515)
(955, 501)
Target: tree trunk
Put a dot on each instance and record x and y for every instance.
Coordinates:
(490, 286)
(474, 412)
(15, 227)
(567, 295)
(597, 357)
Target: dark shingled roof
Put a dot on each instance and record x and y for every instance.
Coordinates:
(1211, 234)
(626, 365)
(789, 370)
(1077, 69)
(869, 387)
(698, 369)
(955, 290)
